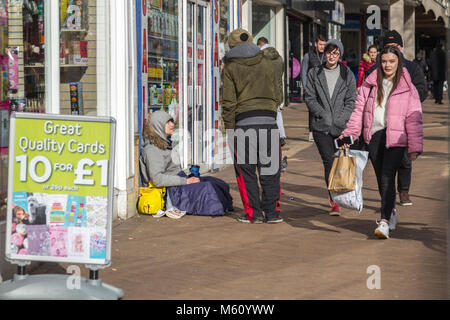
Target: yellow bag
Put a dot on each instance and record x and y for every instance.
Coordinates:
(151, 199)
(343, 173)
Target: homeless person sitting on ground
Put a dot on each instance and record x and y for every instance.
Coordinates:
(206, 196)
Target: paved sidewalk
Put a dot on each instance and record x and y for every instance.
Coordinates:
(309, 256)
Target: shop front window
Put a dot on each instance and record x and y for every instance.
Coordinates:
(223, 44)
(22, 82)
(81, 57)
(263, 22)
(28, 68)
(163, 60)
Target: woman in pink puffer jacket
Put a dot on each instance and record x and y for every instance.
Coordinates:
(389, 114)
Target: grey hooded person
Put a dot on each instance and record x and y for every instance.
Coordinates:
(156, 163)
(160, 165)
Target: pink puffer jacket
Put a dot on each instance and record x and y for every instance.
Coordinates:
(403, 115)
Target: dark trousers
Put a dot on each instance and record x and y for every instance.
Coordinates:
(438, 90)
(256, 156)
(325, 145)
(404, 173)
(386, 163)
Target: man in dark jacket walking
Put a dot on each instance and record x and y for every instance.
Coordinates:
(314, 58)
(251, 96)
(393, 38)
(438, 69)
(330, 98)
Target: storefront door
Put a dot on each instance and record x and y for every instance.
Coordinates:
(197, 45)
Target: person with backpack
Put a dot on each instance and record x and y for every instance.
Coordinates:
(314, 58)
(330, 97)
(388, 112)
(393, 38)
(159, 166)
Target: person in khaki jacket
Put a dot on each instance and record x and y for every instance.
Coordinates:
(250, 102)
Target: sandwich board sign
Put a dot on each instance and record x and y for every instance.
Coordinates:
(60, 189)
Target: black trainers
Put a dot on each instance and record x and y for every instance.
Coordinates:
(282, 142)
(275, 220)
(245, 219)
(404, 199)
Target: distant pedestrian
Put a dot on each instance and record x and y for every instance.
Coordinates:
(420, 61)
(272, 54)
(314, 58)
(251, 96)
(330, 98)
(369, 59)
(389, 114)
(438, 69)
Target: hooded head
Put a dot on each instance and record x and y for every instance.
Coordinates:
(239, 36)
(155, 129)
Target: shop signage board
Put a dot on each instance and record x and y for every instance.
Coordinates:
(311, 4)
(60, 189)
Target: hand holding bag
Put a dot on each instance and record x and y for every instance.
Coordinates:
(353, 199)
(151, 199)
(343, 173)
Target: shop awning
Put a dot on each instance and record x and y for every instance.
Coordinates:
(311, 4)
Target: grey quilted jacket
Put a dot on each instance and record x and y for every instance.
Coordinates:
(330, 114)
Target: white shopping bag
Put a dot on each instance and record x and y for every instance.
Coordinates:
(353, 199)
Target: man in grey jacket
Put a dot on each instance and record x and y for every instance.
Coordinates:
(330, 98)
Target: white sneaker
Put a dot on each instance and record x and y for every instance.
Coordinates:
(175, 213)
(382, 231)
(310, 137)
(394, 220)
(159, 214)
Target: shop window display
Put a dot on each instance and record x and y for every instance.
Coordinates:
(22, 71)
(77, 57)
(23, 64)
(223, 44)
(163, 60)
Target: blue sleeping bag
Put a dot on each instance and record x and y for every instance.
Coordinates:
(210, 197)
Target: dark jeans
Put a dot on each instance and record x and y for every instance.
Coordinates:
(438, 90)
(404, 173)
(325, 145)
(269, 179)
(386, 163)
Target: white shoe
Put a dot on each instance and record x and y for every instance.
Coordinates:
(394, 220)
(175, 213)
(310, 137)
(159, 214)
(382, 231)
